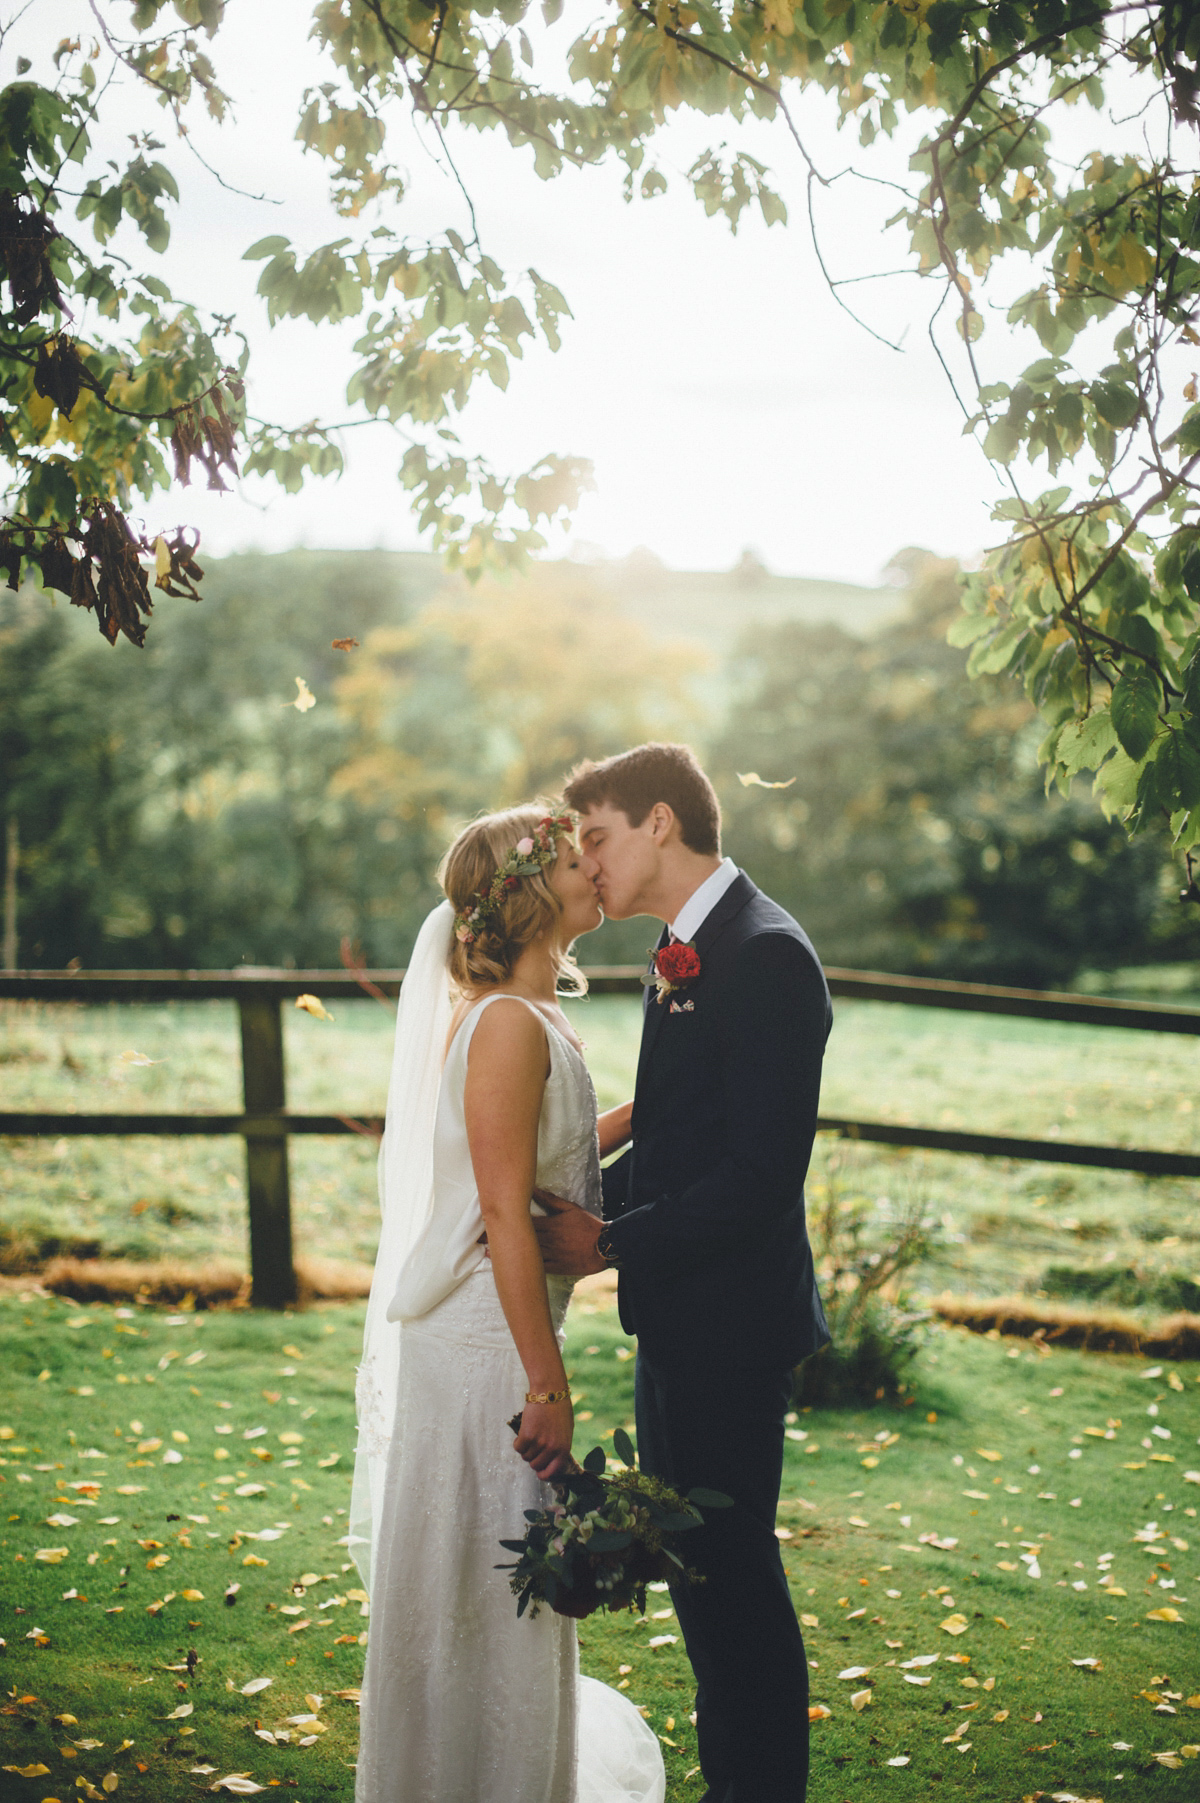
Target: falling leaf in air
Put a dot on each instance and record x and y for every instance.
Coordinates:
(752, 780)
(139, 1058)
(312, 1004)
(304, 700)
(345, 645)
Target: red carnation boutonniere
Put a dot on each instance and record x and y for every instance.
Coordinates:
(675, 966)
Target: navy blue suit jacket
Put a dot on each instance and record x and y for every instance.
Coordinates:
(707, 1203)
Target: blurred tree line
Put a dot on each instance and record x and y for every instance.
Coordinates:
(189, 805)
(175, 807)
(917, 836)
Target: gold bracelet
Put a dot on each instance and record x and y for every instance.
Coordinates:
(547, 1395)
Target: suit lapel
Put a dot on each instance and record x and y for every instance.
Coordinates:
(651, 1016)
(730, 905)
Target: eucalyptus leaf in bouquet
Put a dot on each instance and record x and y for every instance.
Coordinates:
(605, 1537)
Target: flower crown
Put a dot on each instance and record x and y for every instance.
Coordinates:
(527, 857)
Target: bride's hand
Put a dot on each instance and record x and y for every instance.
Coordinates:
(544, 1440)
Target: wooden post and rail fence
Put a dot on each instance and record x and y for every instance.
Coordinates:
(266, 1124)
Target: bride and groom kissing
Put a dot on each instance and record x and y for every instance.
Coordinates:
(701, 1214)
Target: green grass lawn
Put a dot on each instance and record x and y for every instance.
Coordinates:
(1001, 1224)
(901, 1525)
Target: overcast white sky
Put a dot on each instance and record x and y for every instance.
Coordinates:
(724, 397)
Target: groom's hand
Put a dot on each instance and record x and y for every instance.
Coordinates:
(567, 1236)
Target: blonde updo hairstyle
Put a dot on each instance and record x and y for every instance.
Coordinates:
(523, 913)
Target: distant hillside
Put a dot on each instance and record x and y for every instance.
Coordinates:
(715, 607)
(711, 608)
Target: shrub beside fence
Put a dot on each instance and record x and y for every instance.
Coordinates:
(265, 1123)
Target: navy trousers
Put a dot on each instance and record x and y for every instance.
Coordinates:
(724, 1430)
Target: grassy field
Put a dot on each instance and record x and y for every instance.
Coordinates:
(149, 1461)
(1001, 1224)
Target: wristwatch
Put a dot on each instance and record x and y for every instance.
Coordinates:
(605, 1249)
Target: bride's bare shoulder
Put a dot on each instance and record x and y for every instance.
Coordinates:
(508, 1029)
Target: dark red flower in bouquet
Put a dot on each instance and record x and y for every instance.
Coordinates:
(678, 963)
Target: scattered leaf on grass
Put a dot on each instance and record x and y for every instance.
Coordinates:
(954, 1624)
(859, 1700)
(255, 1685)
(52, 1555)
(1163, 1615)
(29, 1771)
(177, 1715)
(900, 1759)
(817, 1712)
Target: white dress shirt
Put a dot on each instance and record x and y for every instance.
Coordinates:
(701, 902)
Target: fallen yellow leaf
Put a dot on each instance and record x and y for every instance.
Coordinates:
(1163, 1615)
(954, 1624)
(312, 1004)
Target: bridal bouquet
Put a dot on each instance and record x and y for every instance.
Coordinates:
(604, 1538)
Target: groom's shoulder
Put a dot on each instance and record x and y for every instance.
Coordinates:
(765, 930)
(764, 915)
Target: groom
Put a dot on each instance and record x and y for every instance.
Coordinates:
(704, 1221)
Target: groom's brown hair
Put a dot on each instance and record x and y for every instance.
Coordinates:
(634, 781)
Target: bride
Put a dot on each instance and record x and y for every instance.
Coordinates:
(490, 1097)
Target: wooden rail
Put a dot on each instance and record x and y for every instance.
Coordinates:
(266, 1125)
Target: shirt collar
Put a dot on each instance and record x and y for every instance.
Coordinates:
(700, 904)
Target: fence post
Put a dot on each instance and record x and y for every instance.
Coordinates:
(272, 1275)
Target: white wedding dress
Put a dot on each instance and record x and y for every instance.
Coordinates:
(462, 1702)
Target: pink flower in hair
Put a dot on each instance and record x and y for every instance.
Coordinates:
(524, 846)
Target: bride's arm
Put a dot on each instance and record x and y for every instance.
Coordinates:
(614, 1128)
(507, 1065)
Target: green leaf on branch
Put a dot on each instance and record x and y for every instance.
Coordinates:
(1134, 709)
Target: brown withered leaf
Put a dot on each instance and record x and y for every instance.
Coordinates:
(206, 436)
(121, 594)
(59, 374)
(26, 235)
(176, 571)
(344, 645)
